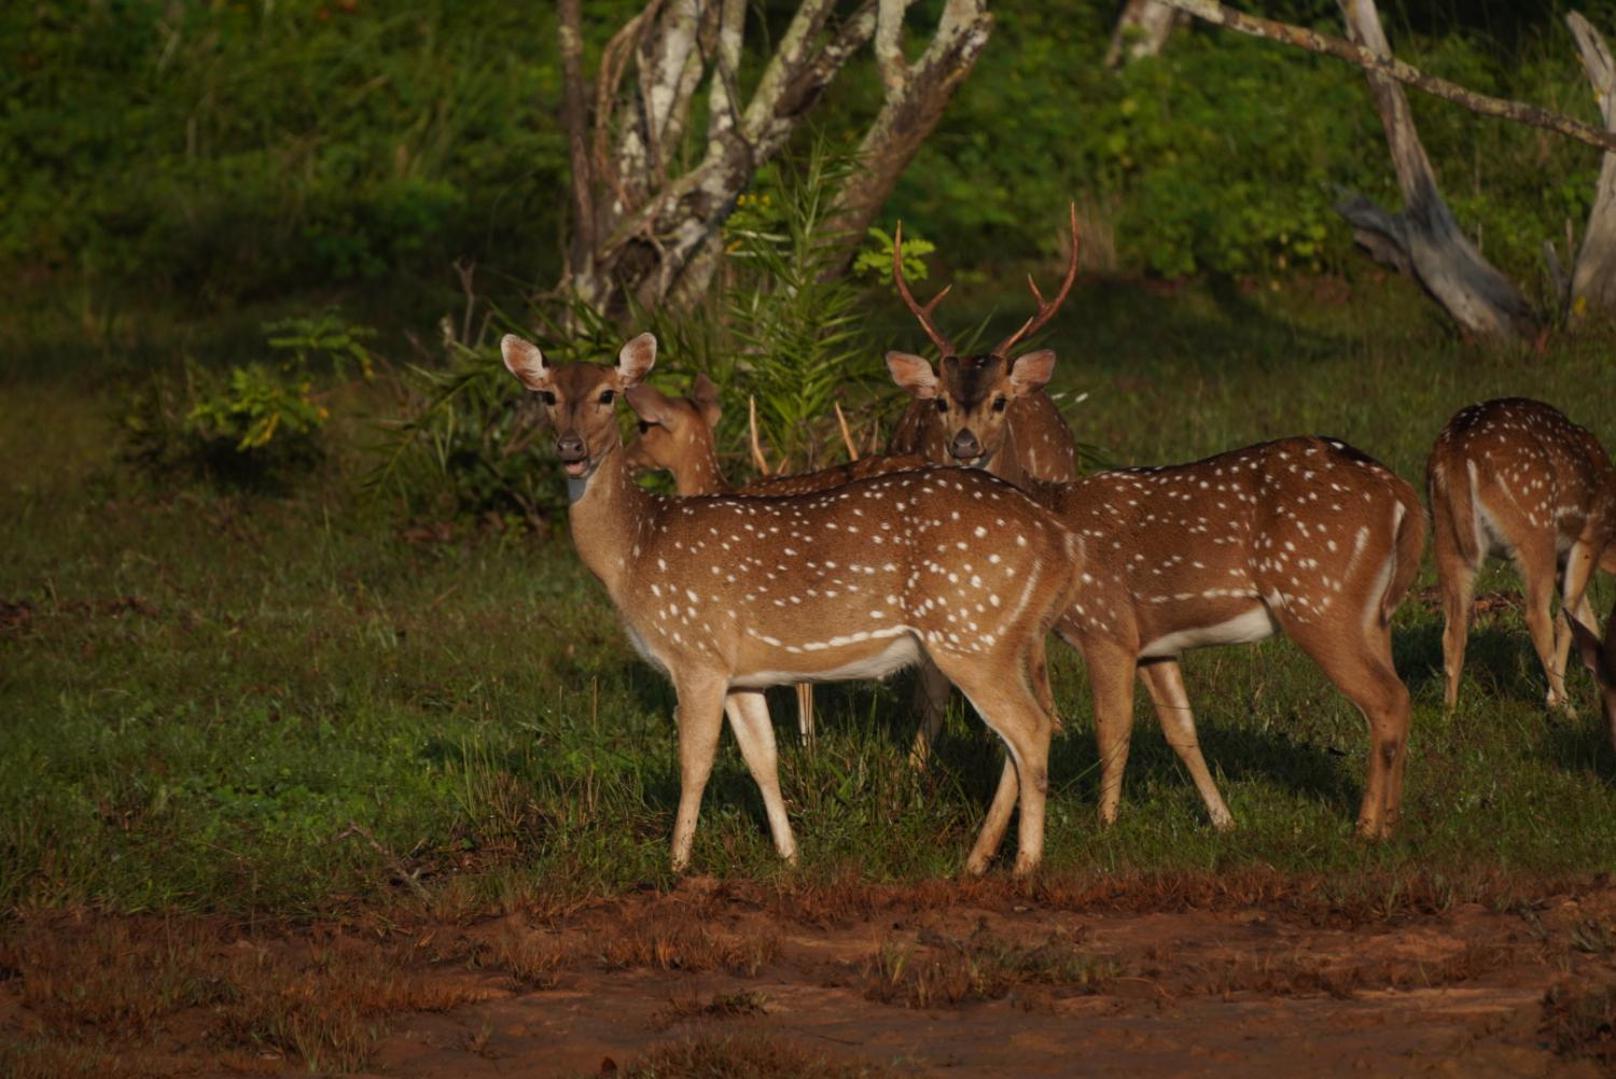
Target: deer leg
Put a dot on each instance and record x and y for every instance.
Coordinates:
(1457, 578)
(748, 713)
(701, 717)
(997, 821)
(1014, 711)
(1579, 568)
(1536, 563)
(805, 712)
(1111, 669)
(932, 689)
(1358, 660)
(1165, 683)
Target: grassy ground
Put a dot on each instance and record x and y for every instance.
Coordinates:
(239, 703)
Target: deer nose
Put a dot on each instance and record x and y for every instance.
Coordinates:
(571, 448)
(965, 446)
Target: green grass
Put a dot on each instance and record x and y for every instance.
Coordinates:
(233, 702)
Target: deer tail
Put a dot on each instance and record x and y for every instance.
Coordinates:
(1408, 545)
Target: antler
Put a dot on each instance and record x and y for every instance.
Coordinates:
(1046, 308)
(944, 345)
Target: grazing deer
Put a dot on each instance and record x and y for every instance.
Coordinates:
(1304, 535)
(1514, 477)
(986, 411)
(1600, 658)
(676, 435)
(732, 595)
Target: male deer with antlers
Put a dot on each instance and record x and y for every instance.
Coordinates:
(1515, 477)
(985, 411)
(1306, 535)
(730, 595)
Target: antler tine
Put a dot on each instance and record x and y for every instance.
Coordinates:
(944, 345)
(1046, 308)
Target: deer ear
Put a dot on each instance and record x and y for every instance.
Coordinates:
(635, 360)
(649, 404)
(1031, 372)
(524, 360)
(913, 373)
(704, 394)
(1595, 655)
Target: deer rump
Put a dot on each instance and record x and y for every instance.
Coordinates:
(851, 583)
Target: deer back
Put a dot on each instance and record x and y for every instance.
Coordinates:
(1224, 549)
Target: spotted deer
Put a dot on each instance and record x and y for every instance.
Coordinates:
(676, 435)
(987, 411)
(1514, 477)
(1303, 535)
(730, 595)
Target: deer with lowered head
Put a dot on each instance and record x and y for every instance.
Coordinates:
(1514, 477)
(1307, 535)
(730, 595)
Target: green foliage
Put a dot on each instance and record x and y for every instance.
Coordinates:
(258, 422)
(874, 260)
(254, 404)
(238, 150)
(1227, 154)
(794, 321)
(326, 336)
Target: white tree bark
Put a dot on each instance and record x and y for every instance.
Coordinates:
(1592, 287)
(1142, 30)
(654, 229)
(916, 95)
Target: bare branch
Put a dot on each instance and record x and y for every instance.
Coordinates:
(575, 116)
(1365, 56)
(889, 45)
(1592, 280)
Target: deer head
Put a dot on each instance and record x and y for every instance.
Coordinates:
(580, 399)
(1599, 656)
(973, 394)
(674, 430)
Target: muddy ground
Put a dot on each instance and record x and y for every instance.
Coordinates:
(720, 979)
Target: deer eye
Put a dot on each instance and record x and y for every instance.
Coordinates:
(547, 397)
(645, 425)
(942, 405)
(607, 396)
(999, 403)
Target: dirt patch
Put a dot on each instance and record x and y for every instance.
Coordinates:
(720, 979)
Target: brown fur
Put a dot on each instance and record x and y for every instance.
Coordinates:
(730, 595)
(1515, 476)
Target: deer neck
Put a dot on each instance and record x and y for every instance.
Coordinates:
(698, 473)
(609, 518)
(1006, 460)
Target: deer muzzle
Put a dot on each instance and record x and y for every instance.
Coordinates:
(965, 446)
(573, 453)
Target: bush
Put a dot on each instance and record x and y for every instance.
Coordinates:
(256, 424)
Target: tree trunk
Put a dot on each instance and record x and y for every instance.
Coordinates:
(1142, 30)
(1593, 275)
(647, 227)
(1424, 240)
(916, 98)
